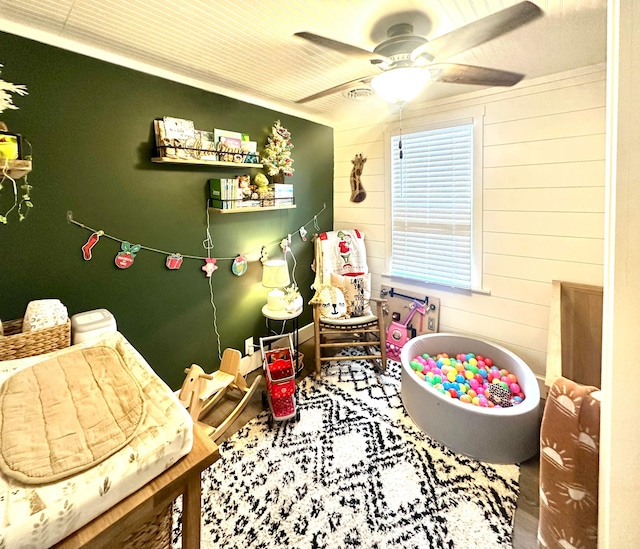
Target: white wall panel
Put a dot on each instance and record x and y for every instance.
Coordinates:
(551, 126)
(578, 250)
(528, 291)
(569, 174)
(568, 149)
(543, 204)
(581, 224)
(559, 199)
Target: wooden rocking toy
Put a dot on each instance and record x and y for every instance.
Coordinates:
(201, 391)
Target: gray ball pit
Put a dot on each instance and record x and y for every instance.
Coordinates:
(496, 435)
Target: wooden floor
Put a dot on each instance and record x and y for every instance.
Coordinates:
(526, 520)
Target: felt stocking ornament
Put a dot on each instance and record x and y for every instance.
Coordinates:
(93, 240)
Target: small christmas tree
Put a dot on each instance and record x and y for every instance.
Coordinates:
(277, 153)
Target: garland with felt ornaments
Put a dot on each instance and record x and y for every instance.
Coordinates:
(173, 260)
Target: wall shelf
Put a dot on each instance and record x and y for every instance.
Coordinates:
(15, 168)
(193, 161)
(253, 209)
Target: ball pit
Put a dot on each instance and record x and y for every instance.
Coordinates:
(472, 379)
(489, 411)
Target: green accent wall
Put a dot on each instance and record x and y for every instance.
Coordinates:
(90, 124)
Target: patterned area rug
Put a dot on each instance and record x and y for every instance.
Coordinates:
(355, 471)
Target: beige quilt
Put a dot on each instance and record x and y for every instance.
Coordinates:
(67, 414)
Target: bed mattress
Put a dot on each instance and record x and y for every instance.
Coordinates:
(40, 515)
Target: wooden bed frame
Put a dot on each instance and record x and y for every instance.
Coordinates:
(152, 500)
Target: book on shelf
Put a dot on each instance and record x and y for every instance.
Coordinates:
(178, 128)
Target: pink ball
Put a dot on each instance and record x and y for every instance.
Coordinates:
(515, 388)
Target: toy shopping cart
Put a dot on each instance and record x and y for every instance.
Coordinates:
(279, 373)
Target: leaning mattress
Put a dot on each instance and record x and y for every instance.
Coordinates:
(39, 515)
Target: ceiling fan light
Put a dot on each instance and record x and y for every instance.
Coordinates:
(402, 84)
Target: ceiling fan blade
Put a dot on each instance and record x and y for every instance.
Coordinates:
(478, 32)
(454, 73)
(364, 80)
(341, 47)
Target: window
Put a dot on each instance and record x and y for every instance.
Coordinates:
(436, 205)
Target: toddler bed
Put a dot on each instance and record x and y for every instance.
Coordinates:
(46, 493)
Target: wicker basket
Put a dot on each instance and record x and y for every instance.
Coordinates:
(17, 344)
(155, 533)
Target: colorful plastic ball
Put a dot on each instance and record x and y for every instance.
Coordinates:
(488, 362)
(514, 388)
(465, 398)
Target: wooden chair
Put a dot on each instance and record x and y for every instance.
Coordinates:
(201, 391)
(344, 313)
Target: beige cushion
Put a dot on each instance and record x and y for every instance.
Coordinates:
(332, 302)
(357, 292)
(66, 414)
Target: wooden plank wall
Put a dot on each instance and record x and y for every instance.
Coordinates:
(543, 204)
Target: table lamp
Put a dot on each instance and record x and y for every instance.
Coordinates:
(275, 274)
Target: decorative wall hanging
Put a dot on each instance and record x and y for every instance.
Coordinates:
(174, 262)
(239, 265)
(125, 258)
(209, 266)
(93, 240)
(12, 164)
(358, 194)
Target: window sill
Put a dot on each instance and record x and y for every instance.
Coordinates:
(390, 278)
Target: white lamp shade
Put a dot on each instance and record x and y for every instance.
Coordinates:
(402, 84)
(275, 274)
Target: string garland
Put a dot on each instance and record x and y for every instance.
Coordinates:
(125, 258)
(207, 243)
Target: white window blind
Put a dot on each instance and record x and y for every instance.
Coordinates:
(432, 205)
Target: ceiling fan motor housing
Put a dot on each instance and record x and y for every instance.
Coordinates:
(399, 46)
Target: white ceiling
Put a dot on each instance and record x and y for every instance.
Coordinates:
(246, 48)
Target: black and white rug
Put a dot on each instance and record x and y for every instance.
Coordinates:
(355, 471)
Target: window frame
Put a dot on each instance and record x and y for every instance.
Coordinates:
(474, 115)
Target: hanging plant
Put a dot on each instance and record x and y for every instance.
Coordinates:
(276, 156)
(22, 199)
(7, 88)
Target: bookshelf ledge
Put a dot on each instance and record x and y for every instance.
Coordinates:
(169, 160)
(253, 209)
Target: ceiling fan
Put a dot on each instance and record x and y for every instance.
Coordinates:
(408, 60)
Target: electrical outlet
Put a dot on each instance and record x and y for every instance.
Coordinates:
(432, 324)
(248, 346)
